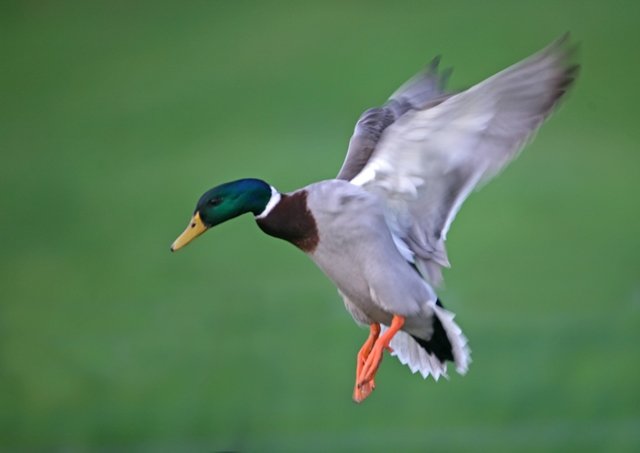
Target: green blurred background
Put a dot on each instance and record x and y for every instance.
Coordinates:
(115, 117)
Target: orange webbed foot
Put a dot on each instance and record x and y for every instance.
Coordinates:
(366, 373)
(360, 392)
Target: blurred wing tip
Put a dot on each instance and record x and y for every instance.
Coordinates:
(432, 67)
(561, 42)
(444, 76)
(563, 45)
(563, 38)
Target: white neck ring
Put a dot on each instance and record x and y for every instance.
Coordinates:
(273, 201)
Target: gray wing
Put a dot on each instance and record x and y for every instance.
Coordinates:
(424, 90)
(426, 163)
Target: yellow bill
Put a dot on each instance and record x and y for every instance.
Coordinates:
(196, 228)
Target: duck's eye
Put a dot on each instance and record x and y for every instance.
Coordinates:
(215, 201)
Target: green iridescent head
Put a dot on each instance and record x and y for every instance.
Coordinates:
(223, 203)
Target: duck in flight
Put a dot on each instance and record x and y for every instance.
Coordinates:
(378, 229)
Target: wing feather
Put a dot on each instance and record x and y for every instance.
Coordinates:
(428, 161)
(423, 90)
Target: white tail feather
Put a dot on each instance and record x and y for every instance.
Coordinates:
(410, 353)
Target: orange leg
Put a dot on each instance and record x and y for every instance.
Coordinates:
(361, 392)
(374, 358)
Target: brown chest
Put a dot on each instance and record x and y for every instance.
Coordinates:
(292, 221)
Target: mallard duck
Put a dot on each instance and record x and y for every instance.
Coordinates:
(378, 229)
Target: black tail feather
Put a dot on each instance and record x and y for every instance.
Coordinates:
(439, 343)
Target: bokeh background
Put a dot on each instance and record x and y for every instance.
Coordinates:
(115, 117)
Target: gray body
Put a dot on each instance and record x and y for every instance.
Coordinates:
(357, 252)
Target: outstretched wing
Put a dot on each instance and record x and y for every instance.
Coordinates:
(424, 90)
(428, 161)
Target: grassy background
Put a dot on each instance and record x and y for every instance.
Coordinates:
(114, 118)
